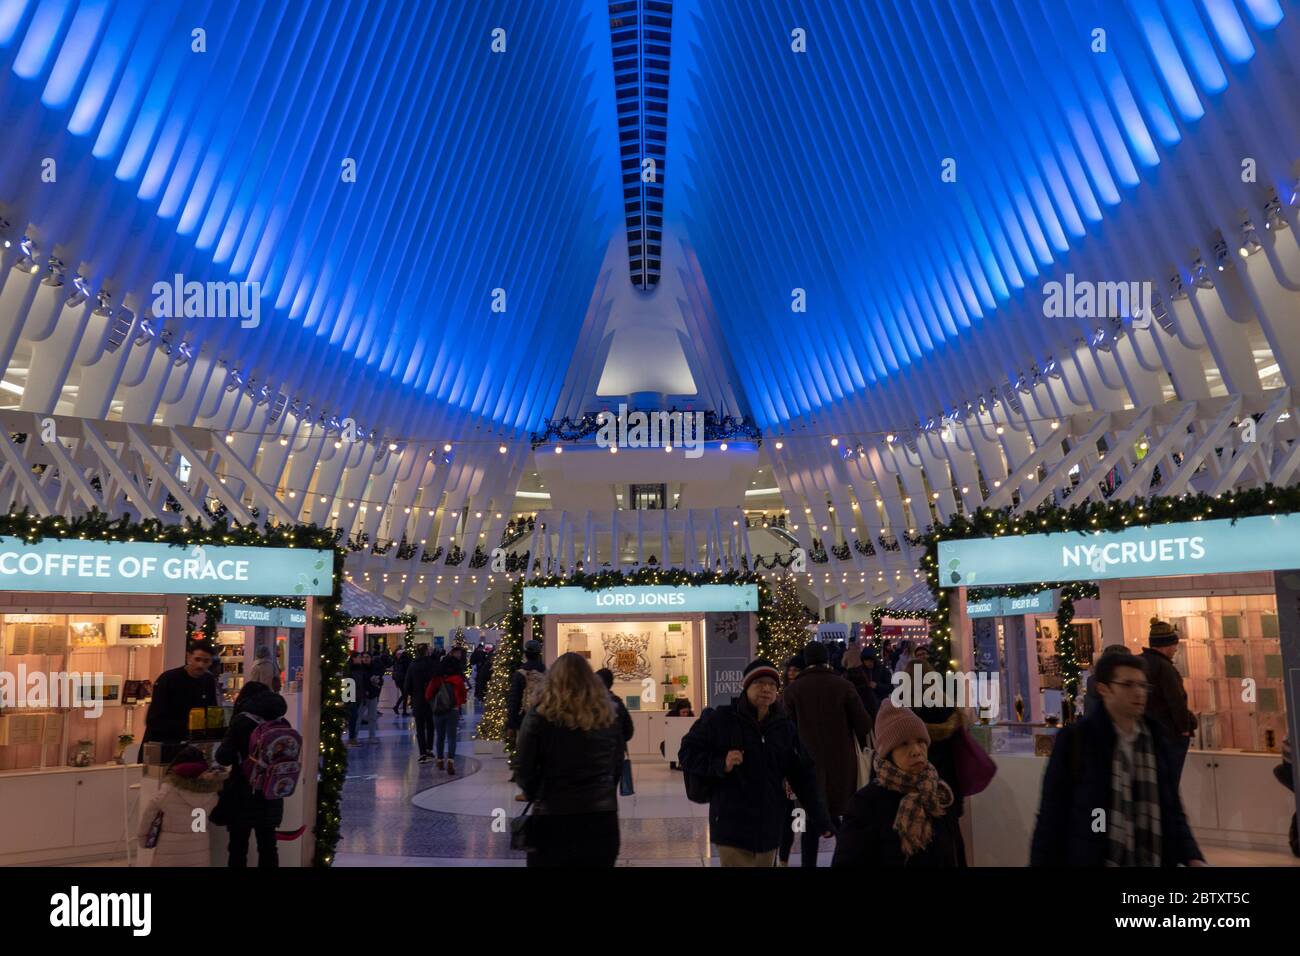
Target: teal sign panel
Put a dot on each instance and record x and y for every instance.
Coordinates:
(1043, 602)
(251, 615)
(642, 599)
(1221, 546)
(134, 567)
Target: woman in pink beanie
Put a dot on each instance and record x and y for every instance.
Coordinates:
(901, 818)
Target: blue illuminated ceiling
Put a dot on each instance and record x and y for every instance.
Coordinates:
(824, 171)
(481, 169)
(476, 169)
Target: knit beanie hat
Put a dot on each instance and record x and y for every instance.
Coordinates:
(1163, 634)
(815, 653)
(761, 668)
(188, 770)
(896, 726)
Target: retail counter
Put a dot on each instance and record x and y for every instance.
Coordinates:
(1230, 798)
(68, 814)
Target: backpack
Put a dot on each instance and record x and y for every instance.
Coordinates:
(533, 683)
(445, 700)
(274, 758)
(699, 789)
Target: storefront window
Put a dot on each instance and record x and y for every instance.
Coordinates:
(1230, 657)
(112, 657)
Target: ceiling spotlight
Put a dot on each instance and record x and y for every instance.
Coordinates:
(613, 449)
(446, 446)
(1201, 275)
(502, 449)
(1250, 243)
(722, 447)
(559, 450)
(1221, 260)
(392, 446)
(81, 291)
(338, 444)
(284, 441)
(1273, 218)
(780, 445)
(1055, 425)
(834, 442)
(668, 448)
(999, 430)
(890, 439)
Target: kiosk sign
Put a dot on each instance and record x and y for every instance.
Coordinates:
(642, 599)
(1221, 546)
(132, 567)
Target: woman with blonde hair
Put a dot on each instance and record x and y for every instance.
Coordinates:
(568, 759)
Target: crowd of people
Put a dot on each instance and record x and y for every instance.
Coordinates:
(818, 750)
(812, 750)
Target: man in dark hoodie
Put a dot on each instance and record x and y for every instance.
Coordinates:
(525, 689)
(243, 811)
(418, 675)
(1167, 704)
(743, 754)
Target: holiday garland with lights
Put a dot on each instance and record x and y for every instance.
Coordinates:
(509, 654)
(95, 525)
(1084, 518)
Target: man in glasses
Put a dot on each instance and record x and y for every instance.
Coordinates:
(1110, 794)
(1167, 703)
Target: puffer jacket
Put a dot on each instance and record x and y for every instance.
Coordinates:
(177, 799)
(748, 808)
(567, 771)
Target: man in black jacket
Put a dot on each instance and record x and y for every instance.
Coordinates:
(743, 753)
(1167, 705)
(177, 691)
(1110, 794)
(519, 686)
(418, 675)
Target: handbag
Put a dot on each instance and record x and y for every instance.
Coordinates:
(973, 767)
(519, 831)
(866, 757)
(625, 788)
(155, 828)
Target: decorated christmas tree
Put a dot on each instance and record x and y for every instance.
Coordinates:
(787, 622)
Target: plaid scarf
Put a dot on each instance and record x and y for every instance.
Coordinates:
(1134, 830)
(924, 796)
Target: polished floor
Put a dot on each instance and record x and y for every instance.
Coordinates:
(397, 812)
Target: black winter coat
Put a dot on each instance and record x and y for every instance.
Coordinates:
(567, 771)
(1167, 702)
(1077, 782)
(515, 697)
(624, 718)
(867, 838)
(418, 675)
(748, 809)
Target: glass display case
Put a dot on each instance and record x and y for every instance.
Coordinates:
(1230, 657)
(104, 662)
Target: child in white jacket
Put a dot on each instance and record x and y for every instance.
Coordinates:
(187, 786)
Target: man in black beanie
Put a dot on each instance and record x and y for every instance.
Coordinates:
(737, 757)
(1167, 702)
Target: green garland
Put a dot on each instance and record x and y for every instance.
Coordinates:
(95, 525)
(881, 611)
(509, 653)
(1085, 518)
